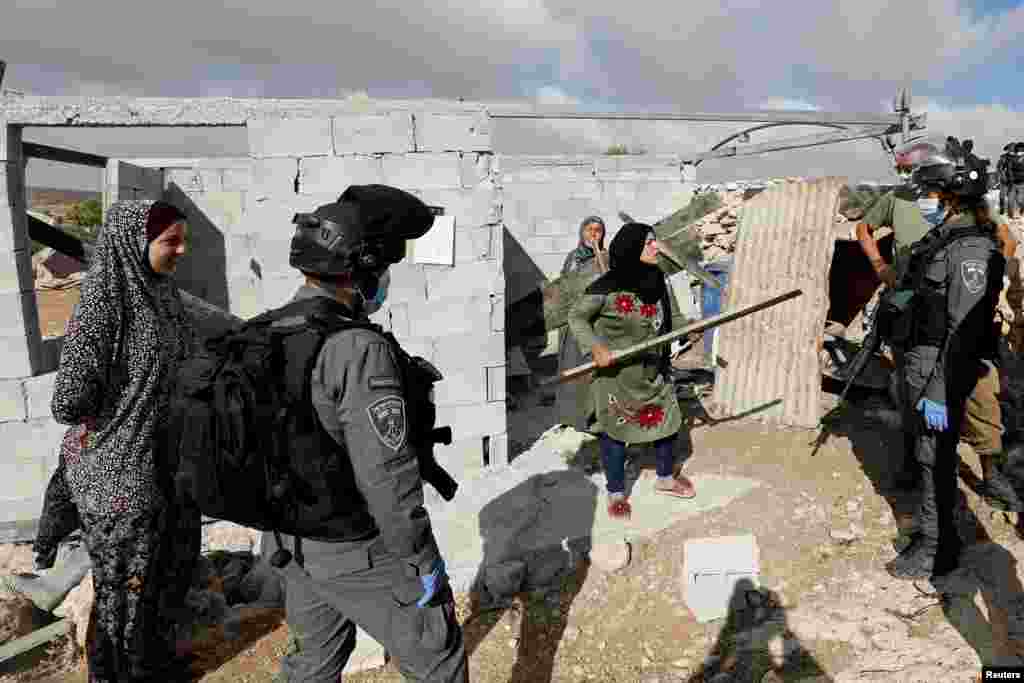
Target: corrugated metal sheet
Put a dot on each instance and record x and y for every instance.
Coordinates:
(785, 241)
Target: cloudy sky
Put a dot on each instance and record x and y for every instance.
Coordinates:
(961, 59)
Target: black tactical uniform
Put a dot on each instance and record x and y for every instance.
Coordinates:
(374, 578)
(952, 332)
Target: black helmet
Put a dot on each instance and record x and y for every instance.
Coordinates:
(943, 166)
(362, 233)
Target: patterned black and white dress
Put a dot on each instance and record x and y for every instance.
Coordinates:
(122, 345)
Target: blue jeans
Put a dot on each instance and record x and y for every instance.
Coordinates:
(613, 457)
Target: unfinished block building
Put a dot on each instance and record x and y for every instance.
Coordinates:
(515, 218)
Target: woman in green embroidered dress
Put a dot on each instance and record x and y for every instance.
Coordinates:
(634, 402)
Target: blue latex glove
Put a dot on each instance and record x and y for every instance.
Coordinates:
(935, 414)
(433, 582)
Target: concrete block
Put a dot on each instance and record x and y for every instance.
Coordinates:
(401, 321)
(463, 385)
(497, 250)
(238, 248)
(554, 169)
(473, 421)
(245, 296)
(237, 179)
(21, 510)
(13, 227)
(471, 208)
(15, 270)
(422, 171)
(29, 442)
(473, 349)
(195, 179)
(295, 137)
(467, 280)
(224, 210)
(631, 168)
(15, 360)
(495, 382)
(443, 317)
(39, 394)
(555, 227)
(12, 310)
(273, 217)
(332, 175)
(272, 253)
(713, 568)
(408, 284)
(436, 132)
(273, 178)
(386, 133)
(473, 244)
(497, 315)
(475, 168)
(13, 406)
(591, 190)
(277, 290)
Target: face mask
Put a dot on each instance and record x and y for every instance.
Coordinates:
(930, 210)
(373, 305)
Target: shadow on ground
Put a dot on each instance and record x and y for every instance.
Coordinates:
(534, 564)
(869, 421)
(755, 643)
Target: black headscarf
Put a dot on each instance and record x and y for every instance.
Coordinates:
(627, 273)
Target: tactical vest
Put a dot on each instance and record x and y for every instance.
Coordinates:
(928, 309)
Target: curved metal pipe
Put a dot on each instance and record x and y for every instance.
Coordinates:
(769, 125)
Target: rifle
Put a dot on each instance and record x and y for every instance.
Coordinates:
(855, 367)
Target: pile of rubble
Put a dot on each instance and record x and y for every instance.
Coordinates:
(53, 270)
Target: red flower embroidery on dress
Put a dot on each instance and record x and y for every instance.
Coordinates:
(649, 310)
(624, 303)
(650, 416)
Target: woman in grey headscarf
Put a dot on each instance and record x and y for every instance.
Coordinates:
(122, 346)
(572, 405)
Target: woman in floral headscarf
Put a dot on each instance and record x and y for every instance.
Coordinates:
(572, 399)
(122, 345)
(634, 402)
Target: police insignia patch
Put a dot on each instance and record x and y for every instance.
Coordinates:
(387, 417)
(973, 273)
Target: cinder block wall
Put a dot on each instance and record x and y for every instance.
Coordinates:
(30, 435)
(241, 210)
(451, 315)
(546, 198)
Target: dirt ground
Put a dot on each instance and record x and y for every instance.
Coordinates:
(633, 625)
(825, 524)
(55, 306)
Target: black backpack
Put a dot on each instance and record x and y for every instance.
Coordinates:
(243, 441)
(1016, 168)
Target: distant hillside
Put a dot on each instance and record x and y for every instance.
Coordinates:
(56, 202)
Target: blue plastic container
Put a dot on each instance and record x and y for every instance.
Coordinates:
(711, 299)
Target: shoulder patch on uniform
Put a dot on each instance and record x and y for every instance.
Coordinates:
(385, 382)
(388, 419)
(973, 272)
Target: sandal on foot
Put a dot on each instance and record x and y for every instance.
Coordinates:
(619, 509)
(678, 487)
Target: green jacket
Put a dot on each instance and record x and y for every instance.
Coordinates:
(633, 402)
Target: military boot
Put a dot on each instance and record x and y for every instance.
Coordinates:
(917, 560)
(998, 491)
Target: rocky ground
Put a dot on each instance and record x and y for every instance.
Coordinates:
(824, 524)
